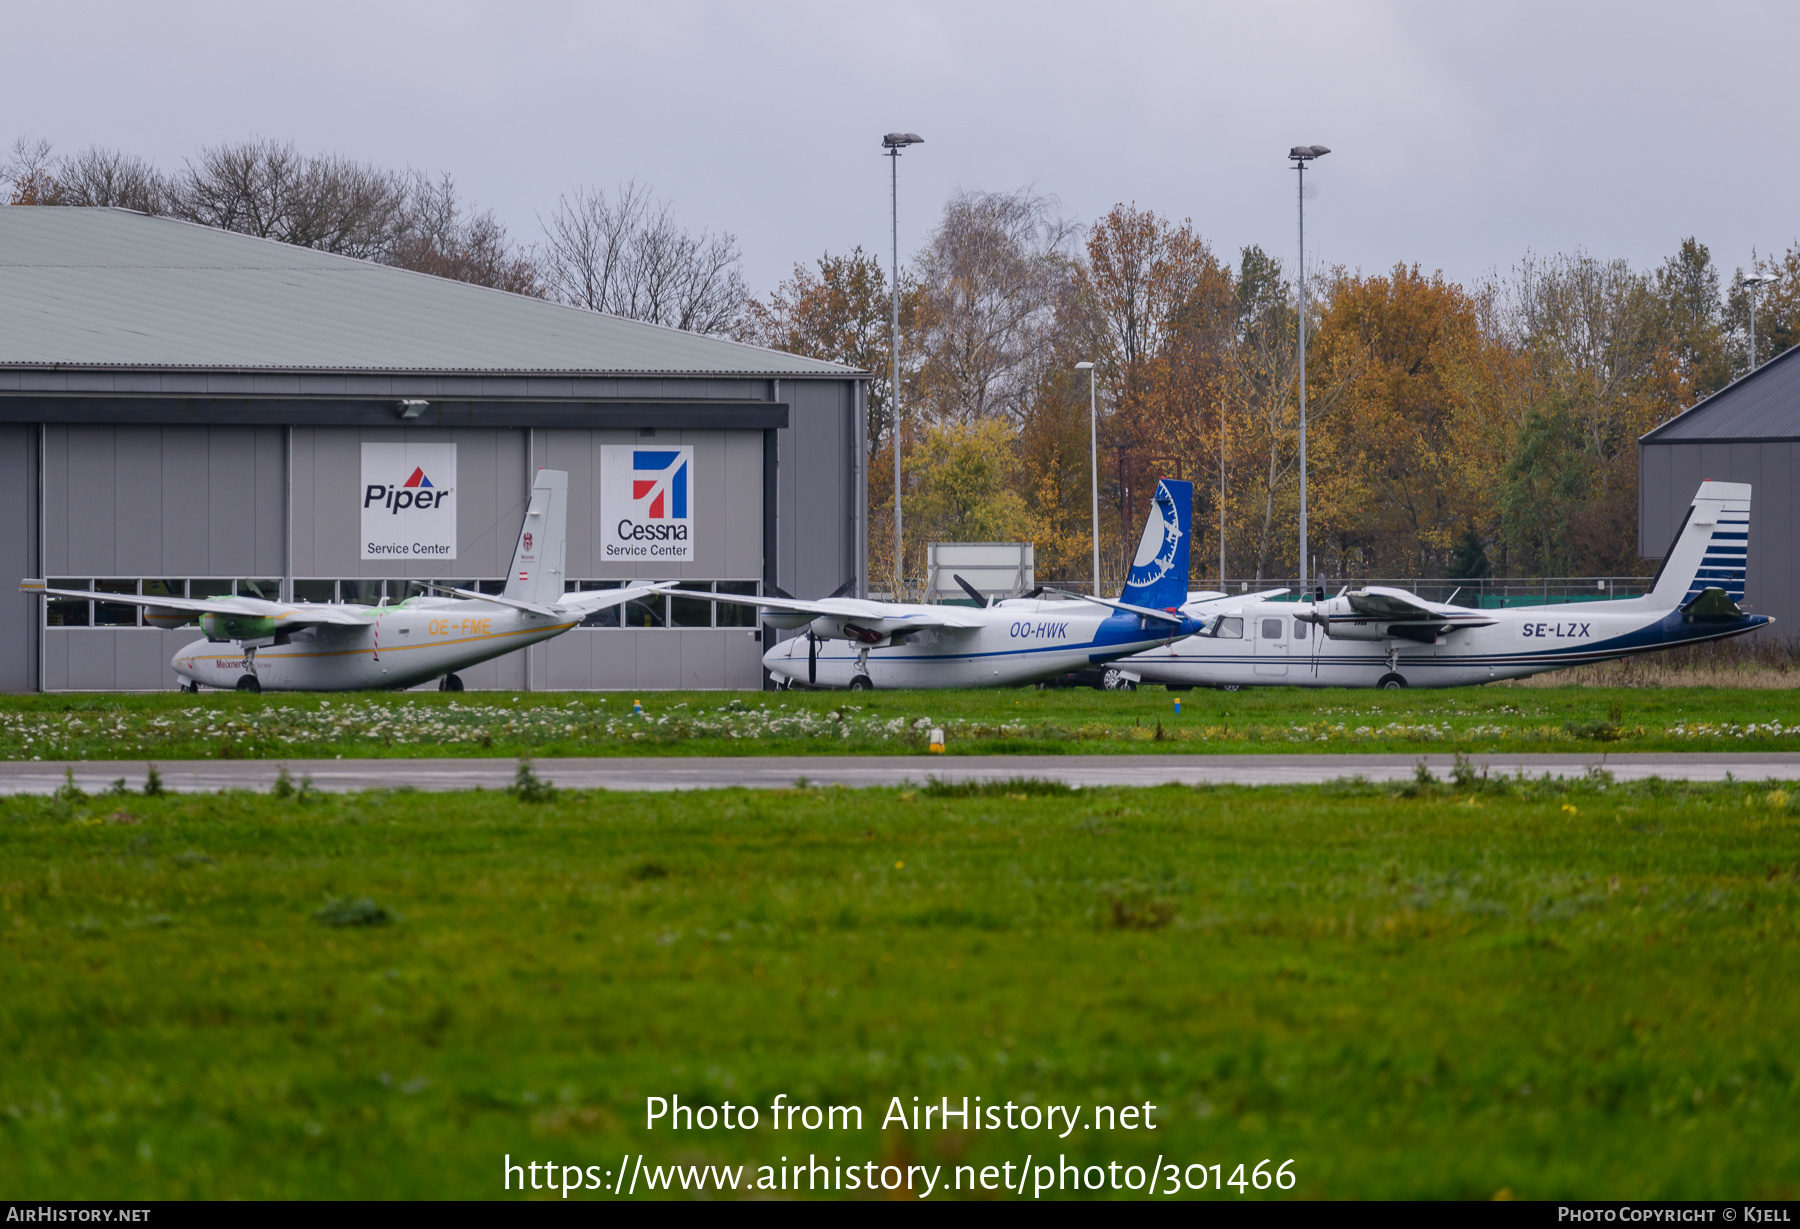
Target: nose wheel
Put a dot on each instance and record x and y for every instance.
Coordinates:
(861, 682)
(249, 684)
(450, 682)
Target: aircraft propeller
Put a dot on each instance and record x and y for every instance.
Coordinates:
(971, 590)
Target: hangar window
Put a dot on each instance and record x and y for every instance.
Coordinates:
(66, 611)
(688, 611)
(672, 612)
(318, 592)
(115, 614)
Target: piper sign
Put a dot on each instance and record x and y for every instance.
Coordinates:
(408, 500)
(647, 503)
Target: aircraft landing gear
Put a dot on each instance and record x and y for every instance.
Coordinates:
(249, 683)
(192, 687)
(450, 683)
(1390, 682)
(861, 682)
(1231, 686)
(1115, 680)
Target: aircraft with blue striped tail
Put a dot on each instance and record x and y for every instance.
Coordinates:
(1389, 638)
(860, 644)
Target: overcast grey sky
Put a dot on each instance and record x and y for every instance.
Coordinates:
(1463, 134)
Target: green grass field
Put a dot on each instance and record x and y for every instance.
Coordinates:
(1283, 720)
(1554, 989)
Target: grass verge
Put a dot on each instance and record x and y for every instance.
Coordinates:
(1022, 722)
(1438, 990)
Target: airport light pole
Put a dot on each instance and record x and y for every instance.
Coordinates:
(1303, 154)
(1093, 466)
(894, 142)
(1753, 283)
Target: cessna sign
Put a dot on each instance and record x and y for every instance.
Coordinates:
(408, 499)
(647, 503)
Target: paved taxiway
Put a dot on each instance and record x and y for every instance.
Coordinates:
(774, 772)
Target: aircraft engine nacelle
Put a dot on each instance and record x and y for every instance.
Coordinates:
(237, 627)
(1357, 631)
(167, 619)
(786, 620)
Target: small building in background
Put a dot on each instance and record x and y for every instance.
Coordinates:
(1748, 431)
(188, 412)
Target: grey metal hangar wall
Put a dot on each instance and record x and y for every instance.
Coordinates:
(1748, 431)
(186, 411)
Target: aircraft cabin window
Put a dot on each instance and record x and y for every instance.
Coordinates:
(1230, 629)
(1271, 629)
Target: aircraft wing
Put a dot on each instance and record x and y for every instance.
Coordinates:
(888, 617)
(587, 601)
(243, 607)
(1141, 611)
(1382, 603)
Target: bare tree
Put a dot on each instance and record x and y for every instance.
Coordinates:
(990, 278)
(31, 172)
(270, 190)
(107, 177)
(435, 235)
(629, 256)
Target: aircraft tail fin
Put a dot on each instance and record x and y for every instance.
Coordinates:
(1711, 549)
(537, 563)
(1159, 572)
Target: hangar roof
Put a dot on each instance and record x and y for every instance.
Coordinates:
(1764, 405)
(116, 289)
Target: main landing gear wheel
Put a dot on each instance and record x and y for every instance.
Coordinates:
(1115, 680)
(1390, 682)
(250, 684)
(1231, 686)
(861, 682)
(192, 687)
(450, 683)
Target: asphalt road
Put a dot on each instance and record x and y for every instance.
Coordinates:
(773, 772)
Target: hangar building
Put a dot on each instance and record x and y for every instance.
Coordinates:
(1748, 431)
(190, 411)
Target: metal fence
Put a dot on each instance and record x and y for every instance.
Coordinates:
(1488, 593)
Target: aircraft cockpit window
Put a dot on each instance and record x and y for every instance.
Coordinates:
(1271, 629)
(1230, 629)
(1300, 629)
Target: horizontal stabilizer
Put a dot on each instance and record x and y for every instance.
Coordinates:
(1712, 604)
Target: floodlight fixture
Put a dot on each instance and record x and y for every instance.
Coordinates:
(1306, 153)
(1084, 366)
(1758, 279)
(897, 140)
(412, 408)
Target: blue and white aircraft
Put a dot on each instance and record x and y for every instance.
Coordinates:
(859, 644)
(1379, 637)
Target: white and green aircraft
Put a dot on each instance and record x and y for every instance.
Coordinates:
(256, 645)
